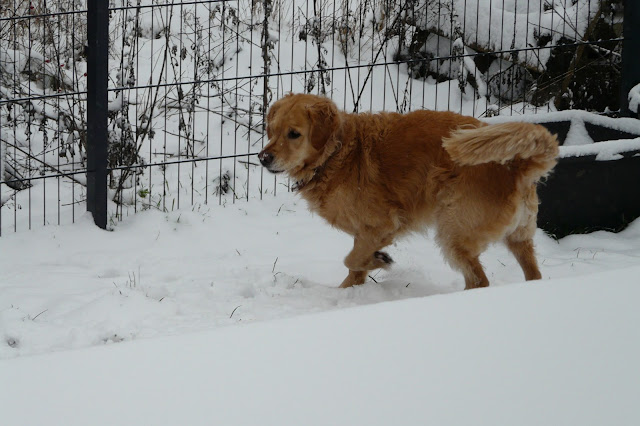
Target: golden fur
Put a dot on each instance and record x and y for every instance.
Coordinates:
(378, 176)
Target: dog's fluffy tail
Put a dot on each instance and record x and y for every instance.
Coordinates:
(524, 144)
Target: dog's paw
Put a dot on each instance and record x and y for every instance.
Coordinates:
(384, 257)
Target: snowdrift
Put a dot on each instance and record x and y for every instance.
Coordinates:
(563, 351)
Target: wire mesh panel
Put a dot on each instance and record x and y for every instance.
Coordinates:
(190, 83)
(42, 113)
(183, 119)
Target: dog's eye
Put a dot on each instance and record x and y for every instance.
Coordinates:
(293, 134)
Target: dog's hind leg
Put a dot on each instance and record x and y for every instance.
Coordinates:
(469, 264)
(524, 253)
(463, 255)
(520, 241)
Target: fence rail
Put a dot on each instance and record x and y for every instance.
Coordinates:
(125, 105)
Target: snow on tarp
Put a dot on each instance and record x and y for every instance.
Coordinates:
(604, 151)
(578, 143)
(634, 98)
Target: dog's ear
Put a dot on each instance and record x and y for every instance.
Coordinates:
(323, 116)
(275, 107)
(272, 111)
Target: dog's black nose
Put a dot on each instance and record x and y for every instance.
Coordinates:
(266, 158)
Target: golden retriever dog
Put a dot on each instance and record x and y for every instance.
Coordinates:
(379, 176)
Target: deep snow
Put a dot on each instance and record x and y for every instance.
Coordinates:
(558, 352)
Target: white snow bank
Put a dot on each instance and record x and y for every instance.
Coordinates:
(511, 24)
(559, 352)
(634, 98)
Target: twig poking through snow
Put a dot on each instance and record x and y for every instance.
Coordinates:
(274, 265)
(34, 318)
(285, 209)
(234, 311)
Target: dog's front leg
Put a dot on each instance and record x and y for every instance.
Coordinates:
(365, 256)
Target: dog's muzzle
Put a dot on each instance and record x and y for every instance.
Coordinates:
(266, 158)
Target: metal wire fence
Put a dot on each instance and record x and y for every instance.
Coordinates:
(130, 105)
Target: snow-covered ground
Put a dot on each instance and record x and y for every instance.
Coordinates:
(561, 352)
(194, 313)
(229, 315)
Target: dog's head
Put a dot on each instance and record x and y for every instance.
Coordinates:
(299, 127)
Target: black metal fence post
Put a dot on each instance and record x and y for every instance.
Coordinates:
(630, 73)
(97, 74)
